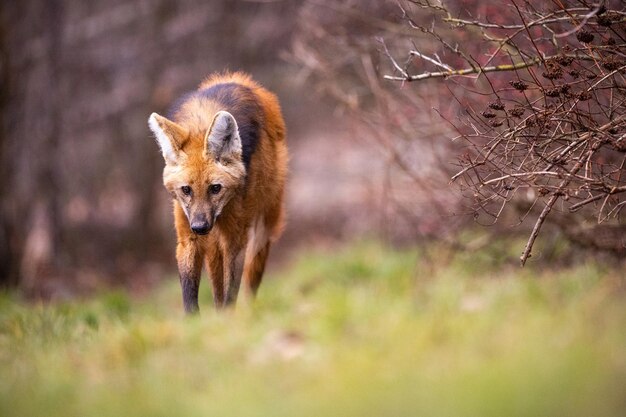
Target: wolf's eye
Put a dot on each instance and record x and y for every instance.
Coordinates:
(215, 188)
(185, 189)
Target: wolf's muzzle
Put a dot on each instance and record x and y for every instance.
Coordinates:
(201, 227)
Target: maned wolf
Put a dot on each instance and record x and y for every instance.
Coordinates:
(225, 167)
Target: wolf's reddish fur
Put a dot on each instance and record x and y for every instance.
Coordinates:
(227, 181)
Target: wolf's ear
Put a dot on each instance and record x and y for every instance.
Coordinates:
(222, 140)
(169, 135)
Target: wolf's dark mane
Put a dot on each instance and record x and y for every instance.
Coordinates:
(238, 100)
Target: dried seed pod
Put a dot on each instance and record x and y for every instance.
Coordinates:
(517, 112)
(574, 74)
(612, 64)
(552, 75)
(496, 105)
(584, 36)
(604, 21)
(583, 95)
(553, 70)
(564, 60)
(519, 85)
(591, 75)
(488, 114)
(496, 123)
(552, 92)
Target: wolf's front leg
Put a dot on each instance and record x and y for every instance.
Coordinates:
(233, 270)
(189, 268)
(215, 265)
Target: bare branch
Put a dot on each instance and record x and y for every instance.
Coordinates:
(550, 204)
(465, 71)
(437, 61)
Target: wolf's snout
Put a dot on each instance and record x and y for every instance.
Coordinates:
(201, 227)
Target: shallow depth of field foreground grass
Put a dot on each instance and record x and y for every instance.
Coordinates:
(365, 331)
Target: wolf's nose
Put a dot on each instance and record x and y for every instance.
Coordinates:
(200, 228)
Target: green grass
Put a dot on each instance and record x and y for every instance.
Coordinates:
(363, 331)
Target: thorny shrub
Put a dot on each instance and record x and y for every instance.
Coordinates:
(538, 93)
(557, 126)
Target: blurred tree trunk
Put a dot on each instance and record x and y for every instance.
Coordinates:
(42, 247)
(147, 220)
(30, 105)
(8, 270)
(50, 169)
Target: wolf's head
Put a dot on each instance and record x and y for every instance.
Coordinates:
(202, 173)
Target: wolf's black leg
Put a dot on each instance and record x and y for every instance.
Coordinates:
(189, 287)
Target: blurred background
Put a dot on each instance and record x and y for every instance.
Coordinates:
(82, 203)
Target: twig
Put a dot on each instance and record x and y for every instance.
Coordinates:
(465, 71)
(393, 61)
(522, 174)
(546, 210)
(429, 59)
(614, 190)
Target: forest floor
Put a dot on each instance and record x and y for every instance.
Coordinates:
(361, 330)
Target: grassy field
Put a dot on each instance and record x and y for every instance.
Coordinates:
(361, 331)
